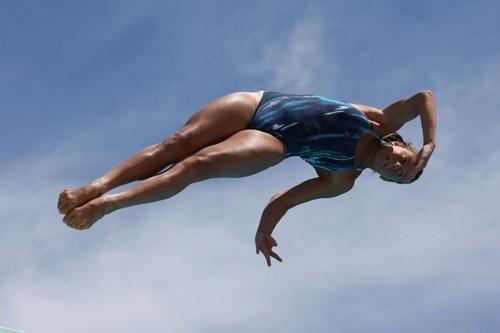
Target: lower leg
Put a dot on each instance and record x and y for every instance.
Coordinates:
(243, 154)
(155, 188)
(146, 163)
(215, 122)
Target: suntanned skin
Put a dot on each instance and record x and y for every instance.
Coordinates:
(214, 142)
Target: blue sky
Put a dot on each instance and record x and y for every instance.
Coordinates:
(83, 85)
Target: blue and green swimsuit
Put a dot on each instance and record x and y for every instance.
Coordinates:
(322, 131)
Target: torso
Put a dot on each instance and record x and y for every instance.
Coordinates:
(324, 132)
(373, 114)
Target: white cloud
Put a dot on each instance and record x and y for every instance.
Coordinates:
(299, 62)
(169, 266)
(379, 257)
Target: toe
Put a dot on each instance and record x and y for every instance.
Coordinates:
(84, 225)
(63, 203)
(67, 207)
(61, 209)
(66, 216)
(63, 195)
(64, 208)
(60, 201)
(69, 217)
(81, 225)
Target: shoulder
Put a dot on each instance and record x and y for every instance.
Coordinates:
(393, 117)
(372, 113)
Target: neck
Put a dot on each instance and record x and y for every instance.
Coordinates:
(369, 151)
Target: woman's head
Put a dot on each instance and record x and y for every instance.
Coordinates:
(395, 159)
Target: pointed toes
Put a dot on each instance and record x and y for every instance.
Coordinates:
(62, 203)
(70, 218)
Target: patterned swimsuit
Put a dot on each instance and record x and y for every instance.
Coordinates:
(322, 131)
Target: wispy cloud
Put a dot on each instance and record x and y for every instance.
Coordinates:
(299, 61)
(169, 266)
(382, 258)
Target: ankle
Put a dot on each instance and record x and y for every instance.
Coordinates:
(108, 204)
(100, 186)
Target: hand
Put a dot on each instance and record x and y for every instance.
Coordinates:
(423, 157)
(265, 243)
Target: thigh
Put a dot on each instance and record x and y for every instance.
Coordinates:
(244, 153)
(219, 119)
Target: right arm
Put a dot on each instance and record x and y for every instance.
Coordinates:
(316, 188)
(325, 186)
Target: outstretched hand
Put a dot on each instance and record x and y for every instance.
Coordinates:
(264, 243)
(423, 157)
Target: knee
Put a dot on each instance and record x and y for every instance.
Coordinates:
(181, 139)
(197, 167)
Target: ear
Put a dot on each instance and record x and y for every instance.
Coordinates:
(397, 143)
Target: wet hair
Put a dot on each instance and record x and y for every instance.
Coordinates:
(395, 137)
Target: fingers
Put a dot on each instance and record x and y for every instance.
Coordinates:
(264, 243)
(276, 256)
(423, 157)
(411, 173)
(268, 258)
(268, 254)
(419, 166)
(265, 253)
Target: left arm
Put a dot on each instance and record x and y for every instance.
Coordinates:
(400, 112)
(397, 114)
(427, 112)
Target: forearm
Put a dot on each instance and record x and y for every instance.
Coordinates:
(427, 113)
(306, 191)
(281, 202)
(271, 215)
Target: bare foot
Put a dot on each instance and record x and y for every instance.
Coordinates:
(85, 216)
(75, 197)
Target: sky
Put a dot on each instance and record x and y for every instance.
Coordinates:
(84, 85)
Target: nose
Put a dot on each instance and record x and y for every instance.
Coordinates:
(396, 164)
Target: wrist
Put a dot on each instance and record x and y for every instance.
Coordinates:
(270, 218)
(263, 231)
(430, 145)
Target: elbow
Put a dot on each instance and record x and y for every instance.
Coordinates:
(343, 186)
(424, 100)
(425, 95)
(278, 202)
(349, 186)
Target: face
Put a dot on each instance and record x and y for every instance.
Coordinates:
(395, 161)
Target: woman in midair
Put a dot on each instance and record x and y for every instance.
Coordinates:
(243, 133)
